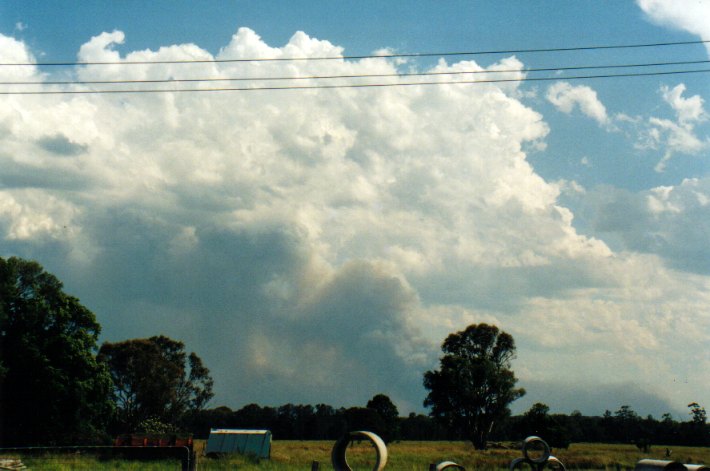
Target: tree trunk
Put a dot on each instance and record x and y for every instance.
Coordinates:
(478, 438)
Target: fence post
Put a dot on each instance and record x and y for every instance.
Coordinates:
(188, 461)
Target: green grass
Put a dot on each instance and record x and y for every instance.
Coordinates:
(404, 456)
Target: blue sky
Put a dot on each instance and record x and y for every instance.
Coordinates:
(317, 246)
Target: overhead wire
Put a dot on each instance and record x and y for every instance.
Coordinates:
(368, 56)
(354, 76)
(362, 85)
(399, 75)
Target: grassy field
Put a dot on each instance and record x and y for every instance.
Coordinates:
(298, 455)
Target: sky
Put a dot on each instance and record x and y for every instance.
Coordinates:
(317, 245)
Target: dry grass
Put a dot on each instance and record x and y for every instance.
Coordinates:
(402, 456)
(606, 456)
(409, 455)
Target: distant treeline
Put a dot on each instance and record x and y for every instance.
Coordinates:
(323, 422)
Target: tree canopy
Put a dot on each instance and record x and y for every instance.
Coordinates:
(155, 378)
(387, 410)
(52, 389)
(538, 421)
(474, 384)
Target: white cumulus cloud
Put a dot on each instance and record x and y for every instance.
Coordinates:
(677, 136)
(688, 15)
(566, 97)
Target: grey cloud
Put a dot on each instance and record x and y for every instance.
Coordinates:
(505, 289)
(17, 175)
(676, 229)
(225, 268)
(593, 399)
(619, 210)
(61, 145)
(356, 321)
(213, 296)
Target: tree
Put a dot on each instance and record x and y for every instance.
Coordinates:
(696, 431)
(202, 421)
(474, 385)
(362, 418)
(52, 389)
(538, 421)
(421, 427)
(386, 409)
(155, 378)
(627, 425)
(292, 421)
(698, 415)
(255, 416)
(327, 423)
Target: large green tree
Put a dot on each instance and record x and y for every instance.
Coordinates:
(52, 389)
(474, 384)
(155, 378)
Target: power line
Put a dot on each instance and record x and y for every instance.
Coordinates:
(354, 76)
(370, 85)
(357, 57)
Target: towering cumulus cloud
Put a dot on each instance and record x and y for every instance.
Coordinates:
(316, 245)
(688, 15)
